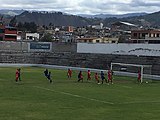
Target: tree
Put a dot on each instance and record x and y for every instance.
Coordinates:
(20, 26)
(32, 27)
(46, 37)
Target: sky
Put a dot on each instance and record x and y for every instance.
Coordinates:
(85, 6)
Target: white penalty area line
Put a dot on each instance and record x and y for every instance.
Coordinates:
(124, 86)
(74, 95)
(138, 102)
(2, 79)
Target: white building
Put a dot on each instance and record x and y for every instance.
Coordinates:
(32, 36)
(98, 27)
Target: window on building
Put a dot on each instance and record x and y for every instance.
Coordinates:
(154, 41)
(135, 41)
(157, 35)
(143, 35)
(30, 37)
(97, 41)
(139, 36)
(85, 41)
(10, 37)
(1, 30)
(12, 29)
(135, 34)
(90, 41)
(154, 35)
(1, 38)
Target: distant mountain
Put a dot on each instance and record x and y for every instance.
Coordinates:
(103, 16)
(148, 20)
(152, 19)
(11, 12)
(5, 18)
(62, 19)
(56, 18)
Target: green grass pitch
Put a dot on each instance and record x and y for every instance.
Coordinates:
(34, 98)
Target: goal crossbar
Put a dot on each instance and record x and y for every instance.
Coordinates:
(134, 65)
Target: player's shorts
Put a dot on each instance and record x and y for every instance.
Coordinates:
(103, 78)
(16, 77)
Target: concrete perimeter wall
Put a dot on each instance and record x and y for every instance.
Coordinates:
(120, 49)
(64, 54)
(97, 61)
(7, 46)
(13, 46)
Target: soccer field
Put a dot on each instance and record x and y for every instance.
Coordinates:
(34, 98)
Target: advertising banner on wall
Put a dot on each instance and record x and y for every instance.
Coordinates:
(40, 47)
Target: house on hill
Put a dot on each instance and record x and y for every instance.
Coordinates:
(145, 36)
(7, 33)
(97, 40)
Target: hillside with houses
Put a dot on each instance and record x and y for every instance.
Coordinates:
(59, 27)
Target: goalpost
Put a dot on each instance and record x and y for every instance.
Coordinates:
(123, 67)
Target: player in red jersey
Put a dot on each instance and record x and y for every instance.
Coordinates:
(89, 75)
(139, 76)
(80, 76)
(69, 73)
(17, 75)
(110, 76)
(96, 77)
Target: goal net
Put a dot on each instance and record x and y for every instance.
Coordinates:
(131, 70)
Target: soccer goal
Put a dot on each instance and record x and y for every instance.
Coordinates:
(131, 69)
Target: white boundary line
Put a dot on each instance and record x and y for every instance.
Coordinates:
(92, 99)
(74, 95)
(124, 86)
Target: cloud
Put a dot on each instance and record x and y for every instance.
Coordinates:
(84, 6)
(145, 3)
